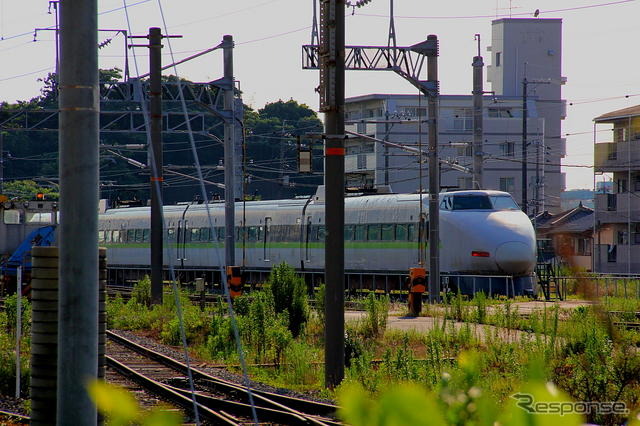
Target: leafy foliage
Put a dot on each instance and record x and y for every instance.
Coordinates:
(142, 291)
(289, 295)
(121, 408)
(27, 190)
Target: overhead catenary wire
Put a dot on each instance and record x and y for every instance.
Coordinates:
(156, 187)
(210, 219)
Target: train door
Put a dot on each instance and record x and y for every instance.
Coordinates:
(267, 240)
(423, 236)
(181, 241)
(182, 235)
(307, 238)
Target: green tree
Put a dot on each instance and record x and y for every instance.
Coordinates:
(27, 190)
(272, 133)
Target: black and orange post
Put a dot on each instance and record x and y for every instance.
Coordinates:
(235, 281)
(417, 282)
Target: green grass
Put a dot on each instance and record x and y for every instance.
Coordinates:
(578, 349)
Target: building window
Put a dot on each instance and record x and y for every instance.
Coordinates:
(465, 183)
(583, 247)
(413, 111)
(500, 113)
(611, 253)
(619, 134)
(508, 149)
(498, 58)
(622, 186)
(507, 184)
(611, 202)
(462, 119)
(622, 238)
(465, 151)
(635, 235)
(362, 161)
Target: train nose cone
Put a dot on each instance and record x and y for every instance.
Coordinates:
(514, 257)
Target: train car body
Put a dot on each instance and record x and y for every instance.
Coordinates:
(482, 234)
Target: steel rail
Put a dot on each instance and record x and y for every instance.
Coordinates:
(168, 393)
(298, 406)
(20, 418)
(264, 414)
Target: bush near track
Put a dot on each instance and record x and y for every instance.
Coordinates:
(469, 371)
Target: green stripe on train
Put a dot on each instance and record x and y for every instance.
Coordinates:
(281, 245)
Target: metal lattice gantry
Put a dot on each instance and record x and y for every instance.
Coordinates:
(406, 61)
(121, 110)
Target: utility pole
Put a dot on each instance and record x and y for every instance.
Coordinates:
(1, 162)
(524, 145)
(386, 147)
(157, 180)
(478, 91)
(229, 163)
(281, 173)
(434, 174)
(332, 68)
(79, 106)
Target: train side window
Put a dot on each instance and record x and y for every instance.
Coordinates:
(204, 234)
(107, 236)
(220, 233)
(138, 235)
(253, 234)
(361, 233)
(195, 234)
(171, 235)
(411, 232)
(100, 237)
(402, 232)
(348, 232)
(314, 233)
(321, 233)
(117, 236)
(12, 217)
(131, 235)
(387, 232)
(373, 232)
(145, 235)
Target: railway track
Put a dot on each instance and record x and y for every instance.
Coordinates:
(10, 418)
(219, 401)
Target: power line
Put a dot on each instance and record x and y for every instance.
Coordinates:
(568, 9)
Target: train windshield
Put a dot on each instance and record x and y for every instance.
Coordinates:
(471, 202)
(503, 202)
(479, 202)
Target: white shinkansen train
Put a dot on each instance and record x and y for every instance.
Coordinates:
(486, 241)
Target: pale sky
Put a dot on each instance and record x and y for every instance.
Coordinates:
(600, 49)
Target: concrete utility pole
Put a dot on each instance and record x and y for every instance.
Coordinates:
(155, 160)
(434, 175)
(478, 91)
(332, 68)
(229, 163)
(78, 231)
(524, 146)
(386, 147)
(1, 162)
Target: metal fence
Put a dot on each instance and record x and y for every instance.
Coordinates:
(602, 285)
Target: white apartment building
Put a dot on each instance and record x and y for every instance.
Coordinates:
(402, 119)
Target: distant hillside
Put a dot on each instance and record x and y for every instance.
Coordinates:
(571, 198)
